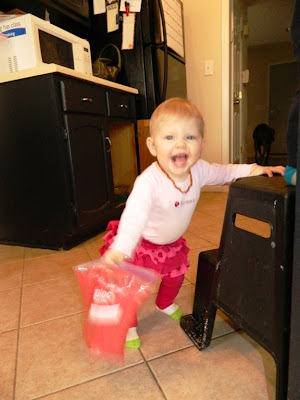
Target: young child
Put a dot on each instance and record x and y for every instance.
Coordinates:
(161, 204)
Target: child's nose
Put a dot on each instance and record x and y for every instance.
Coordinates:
(180, 142)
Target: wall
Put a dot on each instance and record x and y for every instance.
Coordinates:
(259, 59)
(203, 41)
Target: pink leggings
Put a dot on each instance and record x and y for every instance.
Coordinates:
(167, 292)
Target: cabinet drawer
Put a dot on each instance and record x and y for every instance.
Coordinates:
(83, 98)
(121, 104)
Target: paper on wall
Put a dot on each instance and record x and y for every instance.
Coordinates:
(112, 16)
(128, 31)
(99, 6)
(134, 5)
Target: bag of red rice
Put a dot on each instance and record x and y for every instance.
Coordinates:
(112, 295)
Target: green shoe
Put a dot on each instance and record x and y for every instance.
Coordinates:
(133, 344)
(178, 314)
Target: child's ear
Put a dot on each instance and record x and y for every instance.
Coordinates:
(151, 146)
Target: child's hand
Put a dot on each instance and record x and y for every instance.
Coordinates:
(113, 257)
(260, 170)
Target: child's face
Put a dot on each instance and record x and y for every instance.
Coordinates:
(177, 145)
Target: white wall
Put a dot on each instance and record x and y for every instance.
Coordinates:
(203, 41)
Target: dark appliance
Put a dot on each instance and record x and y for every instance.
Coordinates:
(153, 67)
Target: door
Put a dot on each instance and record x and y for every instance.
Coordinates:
(283, 85)
(236, 93)
(236, 86)
(90, 166)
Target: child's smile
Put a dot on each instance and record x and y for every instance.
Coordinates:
(179, 159)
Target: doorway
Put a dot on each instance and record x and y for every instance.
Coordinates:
(265, 41)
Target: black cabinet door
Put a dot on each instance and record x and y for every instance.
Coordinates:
(90, 166)
(80, 7)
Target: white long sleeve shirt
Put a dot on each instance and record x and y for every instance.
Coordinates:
(160, 213)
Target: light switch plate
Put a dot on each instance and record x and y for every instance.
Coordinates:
(208, 67)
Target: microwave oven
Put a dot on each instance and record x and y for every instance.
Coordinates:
(27, 41)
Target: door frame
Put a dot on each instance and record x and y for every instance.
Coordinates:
(231, 147)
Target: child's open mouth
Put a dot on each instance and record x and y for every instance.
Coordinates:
(179, 159)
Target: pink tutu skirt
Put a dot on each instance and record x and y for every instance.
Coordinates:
(167, 259)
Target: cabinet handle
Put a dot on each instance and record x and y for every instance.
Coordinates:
(87, 99)
(123, 106)
(108, 139)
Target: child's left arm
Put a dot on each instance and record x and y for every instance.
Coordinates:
(260, 170)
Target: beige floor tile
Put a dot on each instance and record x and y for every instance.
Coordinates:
(194, 241)
(222, 325)
(59, 358)
(8, 349)
(36, 252)
(159, 333)
(212, 199)
(50, 299)
(93, 251)
(232, 368)
(200, 221)
(11, 275)
(210, 233)
(54, 265)
(9, 309)
(10, 254)
(92, 245)
(217, 210)
(135, 383)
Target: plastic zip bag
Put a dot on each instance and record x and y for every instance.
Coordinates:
(112, 296)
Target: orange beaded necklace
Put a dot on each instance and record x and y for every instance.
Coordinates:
(174, 184)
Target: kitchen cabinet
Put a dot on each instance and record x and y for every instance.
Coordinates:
(80, 7)
(67, 159)
(76, 10)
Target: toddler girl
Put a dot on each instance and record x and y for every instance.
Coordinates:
(161, 204)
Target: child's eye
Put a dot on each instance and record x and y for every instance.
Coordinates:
(191, 137)
(169, 137)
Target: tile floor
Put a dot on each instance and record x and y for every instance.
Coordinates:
(43, 355)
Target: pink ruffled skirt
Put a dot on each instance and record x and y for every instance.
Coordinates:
(167, 259)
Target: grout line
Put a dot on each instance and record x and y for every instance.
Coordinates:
(89, 380)
(153, 375)
(169, 352)
(45, 321)
(18, 330)
(49, 280)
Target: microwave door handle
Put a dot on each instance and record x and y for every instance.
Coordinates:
(165, 50)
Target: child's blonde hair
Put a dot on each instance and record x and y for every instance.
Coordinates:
(179, 108)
